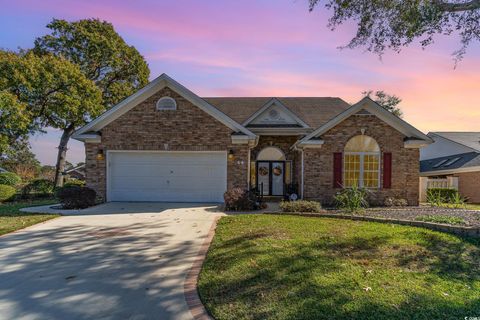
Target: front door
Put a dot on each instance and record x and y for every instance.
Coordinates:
(271, 177)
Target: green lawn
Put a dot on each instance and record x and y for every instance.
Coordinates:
(289, 267)
(469, 206)
(473, 206)
(11, 218)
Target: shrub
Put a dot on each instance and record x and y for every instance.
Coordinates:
(395, 202)
(352, 199)
(437, 197)
(300, 206)
(39, 187)
(434, 198)
(457, 200)
(441, 194)
(6, 192)
(441, 219)
(9, 179)
(75, 197)
(74, 182)
(238, 199)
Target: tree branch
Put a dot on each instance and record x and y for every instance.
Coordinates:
(457, 7)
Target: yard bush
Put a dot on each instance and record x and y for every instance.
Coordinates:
(352, 199)
(38, 188)
(6, 192)
(74, 182)
(75, 197)
(437, 197)
(439, 193)
(9, 179)
(395, 202)
(300, 206)
(238, 199)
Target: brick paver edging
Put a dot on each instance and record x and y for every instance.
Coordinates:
(190, 292)
(457, 230)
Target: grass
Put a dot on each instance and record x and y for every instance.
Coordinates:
(441, 219)
(289, 267)
(469, 206)
(11, 218)
(473, 206)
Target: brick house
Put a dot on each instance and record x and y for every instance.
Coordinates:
(457, 155)
(164, 143)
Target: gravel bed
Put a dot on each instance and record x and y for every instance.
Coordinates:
(471, 217)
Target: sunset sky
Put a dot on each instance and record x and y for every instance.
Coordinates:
(263, 48)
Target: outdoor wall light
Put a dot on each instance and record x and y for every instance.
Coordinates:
(100, 155)
(231, 155)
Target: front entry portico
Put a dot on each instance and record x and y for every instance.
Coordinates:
(271, 172)
(271, 178)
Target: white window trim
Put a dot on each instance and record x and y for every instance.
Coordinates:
(158, 108)
(362, 156)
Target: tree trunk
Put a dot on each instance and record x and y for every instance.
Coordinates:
(62, 154)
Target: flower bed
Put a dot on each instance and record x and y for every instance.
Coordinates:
(470, 217)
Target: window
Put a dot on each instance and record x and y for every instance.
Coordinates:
(452, 161)
(440, 163)
(166, 103)
(271, 154)
(361, 163)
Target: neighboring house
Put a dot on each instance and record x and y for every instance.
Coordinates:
(454, 154)
(165, 143)
(77, 172)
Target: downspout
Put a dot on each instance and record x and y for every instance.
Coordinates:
(302, 176)
(248, 168)
(250, 147)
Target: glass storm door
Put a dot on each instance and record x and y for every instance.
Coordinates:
(263, 180)
(271, 177)
(277, 172)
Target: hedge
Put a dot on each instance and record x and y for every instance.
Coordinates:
(75, 197)
(6, 192)
(445, 194)
(9, 179)
(300, 206)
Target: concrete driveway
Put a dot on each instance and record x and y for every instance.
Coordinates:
(115, 261)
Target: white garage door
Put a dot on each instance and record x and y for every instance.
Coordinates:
(167, 176)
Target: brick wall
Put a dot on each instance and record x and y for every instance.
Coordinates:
(405, 162)
(469, 185)
(186, 129)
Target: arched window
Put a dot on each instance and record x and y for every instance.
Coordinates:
(166, 103)
(271, 154)
(361, 164)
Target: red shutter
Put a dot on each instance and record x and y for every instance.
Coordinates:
(337, 170)
(387, 170)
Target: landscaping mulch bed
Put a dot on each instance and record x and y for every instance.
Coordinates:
(471, 217)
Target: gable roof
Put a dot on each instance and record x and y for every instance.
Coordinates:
(451, 164)
(151, 88)
(271, 103)
(314, 111)
(467, 139)
(374, 108)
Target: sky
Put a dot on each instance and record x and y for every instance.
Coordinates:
(262, 48)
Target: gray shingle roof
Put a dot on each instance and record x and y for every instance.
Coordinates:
(315, 111)
(469, 139)
(462, 160)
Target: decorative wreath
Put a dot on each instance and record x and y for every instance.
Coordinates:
(277, 170)
(263, 171)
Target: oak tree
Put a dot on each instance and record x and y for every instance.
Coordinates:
(388, 24)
